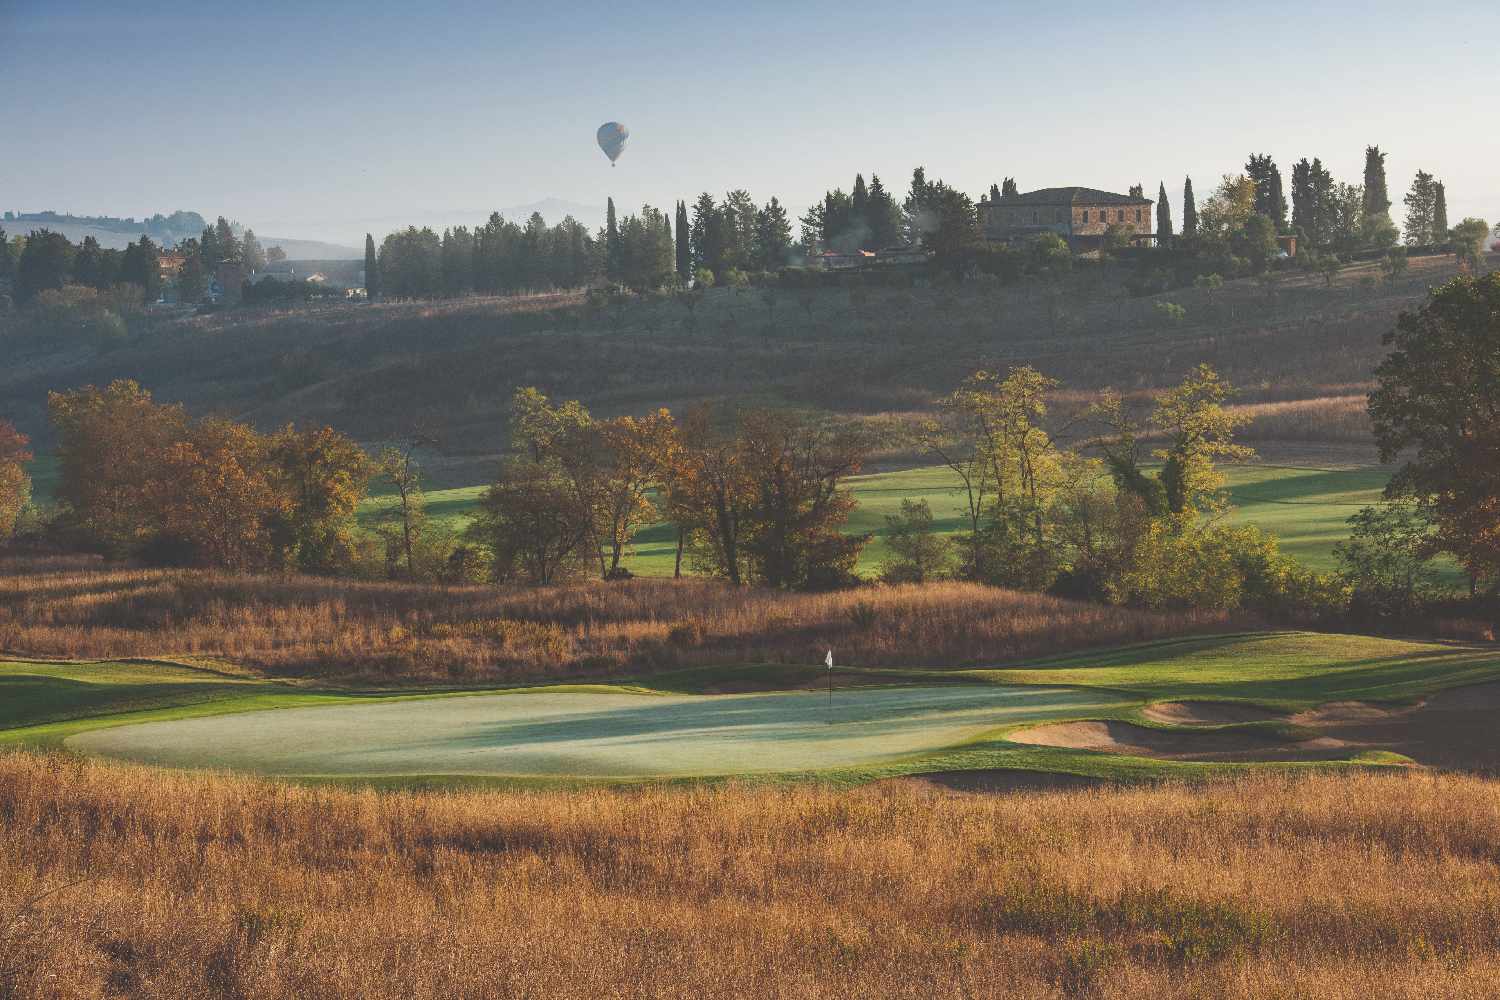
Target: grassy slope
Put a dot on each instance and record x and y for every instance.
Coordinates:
(1305, 508)
(47, 702)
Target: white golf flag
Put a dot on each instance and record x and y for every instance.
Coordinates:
(829, 659)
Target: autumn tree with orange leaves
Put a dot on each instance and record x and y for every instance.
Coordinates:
(15, 484)
(141, 479)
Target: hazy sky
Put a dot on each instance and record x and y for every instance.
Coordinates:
(320, 118)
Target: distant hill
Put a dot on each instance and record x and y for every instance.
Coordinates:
(1303, 352)
(115, 233)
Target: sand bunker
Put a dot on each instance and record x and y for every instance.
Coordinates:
(1457, 729)
(1143, 741)
(1206, 713)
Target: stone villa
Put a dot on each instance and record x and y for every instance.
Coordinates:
(1079, 215)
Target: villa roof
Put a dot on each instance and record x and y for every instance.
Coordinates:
(1072, 196)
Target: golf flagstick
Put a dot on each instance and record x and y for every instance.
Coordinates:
(829, 660)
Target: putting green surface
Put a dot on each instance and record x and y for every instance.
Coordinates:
(594, 734)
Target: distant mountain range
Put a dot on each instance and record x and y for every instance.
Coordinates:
(114, 233)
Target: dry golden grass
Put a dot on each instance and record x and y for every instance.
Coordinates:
(401, 632)
(169, 885)
(1325, 418)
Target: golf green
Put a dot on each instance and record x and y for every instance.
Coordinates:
(593, 734)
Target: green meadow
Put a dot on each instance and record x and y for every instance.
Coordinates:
(1306, 508)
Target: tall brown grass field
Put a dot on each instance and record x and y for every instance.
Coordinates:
(126, 882)
(397, 632)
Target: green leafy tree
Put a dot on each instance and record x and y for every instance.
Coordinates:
(882, 215)
(46, 263)
(773, 237)
(325, 476)
(227, 243)
(534, 525)
(739, 212)
(1421, 206)
(841, 231)
(252, 255)
(403, 523)
(411, 265)
(1228, 209)
(141, 265)
(192, 279)
(1312, 202)
(794, 468)
(708, 236)
(1468, 241)
(89, 267)
(1387, 560)
(1269, 200)
(1347, 219)
(918, 553)
(1256, 241)
(1200, 433)
(1435, 404)
(1013, 471)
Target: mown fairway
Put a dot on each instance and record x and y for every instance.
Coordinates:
(881, 724)
(1306, 508)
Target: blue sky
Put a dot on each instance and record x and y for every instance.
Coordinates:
(320, 119)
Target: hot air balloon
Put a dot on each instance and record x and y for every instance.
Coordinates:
(612, 136)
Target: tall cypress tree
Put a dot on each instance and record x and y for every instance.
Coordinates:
(1304, 202)
(859, 204)
(1439, 213)
(882, 216)
(684, 243)
(1277, 200)
(1377, 200)
(612, 260)
(1189, 210)
(1163, 214)
(372, 269)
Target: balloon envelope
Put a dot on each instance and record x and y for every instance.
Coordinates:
(612, 136)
